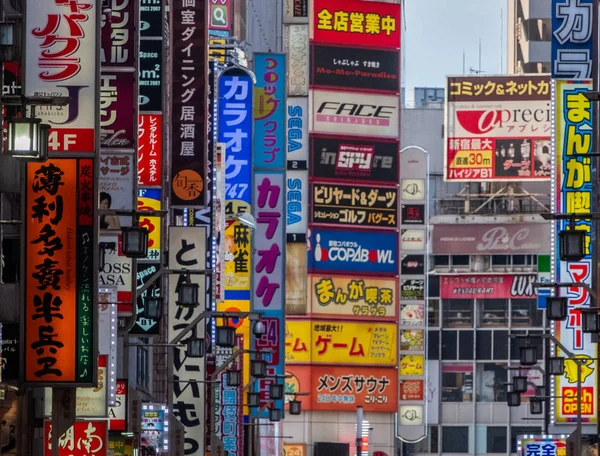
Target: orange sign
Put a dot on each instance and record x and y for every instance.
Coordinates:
(344, 388)
(57, 292)
(294, 449)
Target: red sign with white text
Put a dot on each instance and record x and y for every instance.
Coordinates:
(84, 438)
(357, 22)
(149, 149)
(482, 286)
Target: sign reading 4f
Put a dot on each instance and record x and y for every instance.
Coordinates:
(572, 26)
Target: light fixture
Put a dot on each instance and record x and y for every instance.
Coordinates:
(520, 383)
(295, 407)
(258, 368)
(246, 219)
(253, 400)
(195, 347)
(152, 308)
(528, 355)
(234, 377)
(276, 391)
(589, 322)
(536, 406)
(556, 308)
(556, 365)
(135, 241)
(187, 292)
(28, 139)
(513, 398)
(540, 391)
(572, 243)
(259, 329)
(275, 414)
(225, 336)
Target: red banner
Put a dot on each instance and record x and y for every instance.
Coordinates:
(501, 286)
(150, 149)
(84, 438)
(356, 22)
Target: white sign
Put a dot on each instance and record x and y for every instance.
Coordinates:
(295, 43)
(412, 240)
(357, 114)
(297, 202)
(297, 132)
(61, 44)
(116, 270)
(117, 415)
(187, 250)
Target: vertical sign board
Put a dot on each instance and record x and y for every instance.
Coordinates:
(59, 306)
(572, 39)
(187, 250)
(150, 152)
(189, 107)
(573, 176)
(269, 210)
(145, 273)
(57, 69)
(412, 410)
(295, 42)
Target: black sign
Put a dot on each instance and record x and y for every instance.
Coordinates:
(364, 69)
(10, 351)
(413, 214)
(412, 265)
(338, 204)
(354, 159)
(412, 290)
(296, 8)
(150, 75)
(151, 18)
(145, 273)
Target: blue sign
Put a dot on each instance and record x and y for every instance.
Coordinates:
(269, 111)
(353, 251)
(235, 131)
(572, 41)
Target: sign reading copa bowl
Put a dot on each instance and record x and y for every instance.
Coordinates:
(353, 251)
(354, 113)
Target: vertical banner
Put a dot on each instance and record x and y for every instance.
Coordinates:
(573, 176)
(115, 186)
(269, 210)
(412, 408)
(61, 43)
(149, 199)
(59, 316)
(189, 106)
(150, 154)
(187, 250)
(572, 39)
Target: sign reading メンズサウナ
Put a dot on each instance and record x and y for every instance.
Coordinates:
(498, 128)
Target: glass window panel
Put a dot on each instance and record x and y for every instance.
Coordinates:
(493, 313)
(461, 260)
(496, 439)
(484, 345)
(457, 313)
(433, 313)
(434, 286)
(491, 382)
(455, 439)
(457, 382)
(465, 345)
(449, 351)
(500, 345)
(433, 344)
(524, 312)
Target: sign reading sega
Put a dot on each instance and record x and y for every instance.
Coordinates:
(353, 251)
(352, 159)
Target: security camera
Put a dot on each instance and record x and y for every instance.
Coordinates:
(259, 329)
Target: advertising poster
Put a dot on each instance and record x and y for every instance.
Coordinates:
(498, 128)
(352, 251)
(115, 188)
(296, 279)
(340, 342)
(220, 14)
(59, 255)
(119, 445)
(353, 68)
(154, 436)
(73, 126)
(149, 199)
(351, 205)
(353, 297)
(339, 389)
(238, 245)
(295, 42)
(573, 175)
(412, 315)
(117, 414)
(481, 286)
(352, 159)
(354, 113)
(149, 167)
(84, 438)
(374, 24)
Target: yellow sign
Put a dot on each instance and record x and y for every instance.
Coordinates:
(238, 248)
(472, 159)
(336, 342)
(412, 365)
(294, 449)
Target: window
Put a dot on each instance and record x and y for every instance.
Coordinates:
(457, 382)
(493, 312)
(465, 345)
(434, 286)
(500, 345)
(516, 431)
(143, 366)
(433, 344)
(524, 312)
(455, 439)
(457, 313)
(441, 260)
(10, 251)
(496, 439)
(515, 344)
(449, 351)
(484, 345)
(500, 260)
(428, 445)
(461, 260)
(433, 313)
(491, 382)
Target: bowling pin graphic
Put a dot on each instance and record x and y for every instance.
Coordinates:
(318, 253)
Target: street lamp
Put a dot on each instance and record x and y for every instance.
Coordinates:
(225, 336)
(195, 347)
(589, 322)
(28, 139)
(572, 243)
(276, 391)
(520, 383)
(275, 414)
(152, 308)
(253, 400)
(556, 308)
(536, 405)
(234, 377)
(528, 355)
(513, 398)
(187, 292)
(258, 368)
(135, 241)
(556, 365)
(295, 407)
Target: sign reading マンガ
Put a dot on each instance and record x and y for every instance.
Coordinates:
(352, 159)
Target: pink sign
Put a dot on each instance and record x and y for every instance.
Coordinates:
(481, 286)
(149, 149)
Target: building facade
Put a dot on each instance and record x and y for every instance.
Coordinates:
(529, 36)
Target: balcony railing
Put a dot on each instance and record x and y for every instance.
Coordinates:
(487, 205)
